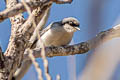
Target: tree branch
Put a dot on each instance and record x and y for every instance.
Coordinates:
(33, 4)
(16, 22)
(60, 51)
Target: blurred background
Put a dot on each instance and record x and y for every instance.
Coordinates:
(94, 16)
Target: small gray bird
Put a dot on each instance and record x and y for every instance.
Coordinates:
(59, 33)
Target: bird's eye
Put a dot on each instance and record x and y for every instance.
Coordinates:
(72, 24)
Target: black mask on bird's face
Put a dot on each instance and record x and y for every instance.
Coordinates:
(71, 24)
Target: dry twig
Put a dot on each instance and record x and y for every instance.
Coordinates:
(39, 71)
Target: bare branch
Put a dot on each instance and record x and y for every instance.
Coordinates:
(16, 22)
(101, 37)
(61, 51)
(19, 8)
(39, 71)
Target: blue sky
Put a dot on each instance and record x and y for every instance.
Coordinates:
(94, 16)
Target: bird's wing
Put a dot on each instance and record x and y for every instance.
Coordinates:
(45, 30)
(41, 33)
(53, 24)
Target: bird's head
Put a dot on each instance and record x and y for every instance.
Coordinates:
(70, 24)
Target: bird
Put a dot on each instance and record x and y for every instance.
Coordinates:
(58, 33)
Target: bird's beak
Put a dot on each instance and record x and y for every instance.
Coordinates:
(77, 28)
